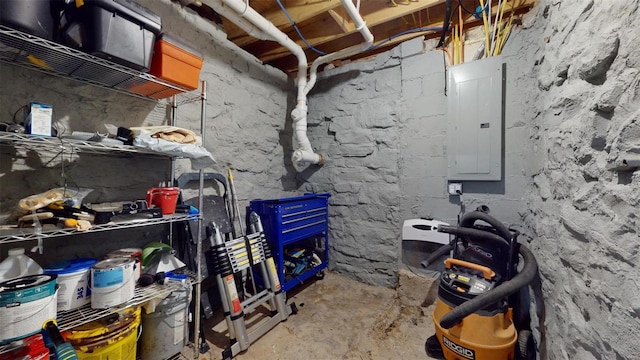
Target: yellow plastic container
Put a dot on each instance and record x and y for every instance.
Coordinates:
(106, 339)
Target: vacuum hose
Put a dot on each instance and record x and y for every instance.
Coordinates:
(478, 234)
(523, 278)
(435, 255)
(469, 219)
(485, 236)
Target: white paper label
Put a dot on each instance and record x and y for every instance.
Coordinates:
(41, 119)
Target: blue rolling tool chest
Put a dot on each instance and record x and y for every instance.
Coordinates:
(297, 229)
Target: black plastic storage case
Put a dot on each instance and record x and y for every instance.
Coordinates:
(121, 31)
(34, 17)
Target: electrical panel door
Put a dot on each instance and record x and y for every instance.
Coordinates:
(476, 120)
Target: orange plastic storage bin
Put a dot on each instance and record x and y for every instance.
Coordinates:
(174, 63)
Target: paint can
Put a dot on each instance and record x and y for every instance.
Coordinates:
(112, 282)
(133, 253)
(112, 337)
(73, 282)
(25, 304)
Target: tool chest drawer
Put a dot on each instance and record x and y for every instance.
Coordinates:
(293, 219)
(290, 226)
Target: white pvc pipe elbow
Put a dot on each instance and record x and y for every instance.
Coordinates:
(361, 27)
(257, 26)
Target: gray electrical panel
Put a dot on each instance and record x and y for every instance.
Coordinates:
(476, 120)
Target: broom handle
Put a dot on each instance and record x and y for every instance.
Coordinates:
(235, 201)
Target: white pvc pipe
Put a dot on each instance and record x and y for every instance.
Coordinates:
(361, 26)
(245, 25)
(304, 155)
(238, 6)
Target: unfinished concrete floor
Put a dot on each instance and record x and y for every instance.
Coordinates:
(339, 318)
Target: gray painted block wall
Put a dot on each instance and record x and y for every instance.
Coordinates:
(387, 126)
(571, 109)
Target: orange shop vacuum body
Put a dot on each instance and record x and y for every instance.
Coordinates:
(480, 313)
(484, 336)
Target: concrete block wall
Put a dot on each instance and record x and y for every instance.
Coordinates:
(382, 123)
(424, 145)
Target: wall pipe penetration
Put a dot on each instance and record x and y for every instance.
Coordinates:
(240, 13)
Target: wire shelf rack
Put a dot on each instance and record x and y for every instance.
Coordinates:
(85, 314)
(27, 234)
(56, 144)
(32, 52)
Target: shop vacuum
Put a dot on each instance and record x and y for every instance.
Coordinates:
(482, 308)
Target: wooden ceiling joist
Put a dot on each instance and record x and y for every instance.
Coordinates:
(299, 10)
(327, 27)
(318, 31)
(343, 21)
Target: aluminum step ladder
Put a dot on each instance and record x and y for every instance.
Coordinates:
(235, 256)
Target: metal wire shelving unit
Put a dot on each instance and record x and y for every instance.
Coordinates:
(62, 144)
(24, 50)
(46, 56)
(69, 319)
(26, 234)
(85, 314)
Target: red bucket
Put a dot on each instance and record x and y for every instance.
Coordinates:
(163, 197)
(32, 348)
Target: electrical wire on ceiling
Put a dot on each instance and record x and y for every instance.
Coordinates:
(494, 38)
(293, 23)
(496, 30)
(445, 24)
(474, 13)
(495, 26)
(410, 31)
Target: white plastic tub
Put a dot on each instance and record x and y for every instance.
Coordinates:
(73, 281)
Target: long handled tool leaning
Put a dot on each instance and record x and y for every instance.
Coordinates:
(236, 209)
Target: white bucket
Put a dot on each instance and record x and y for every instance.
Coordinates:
(112, 282)
(166, 330)
(73, 282)
(25, 304)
